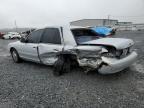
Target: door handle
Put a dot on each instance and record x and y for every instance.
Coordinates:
(55, 49)
(34, 47)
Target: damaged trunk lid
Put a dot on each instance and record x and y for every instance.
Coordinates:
(118, 43)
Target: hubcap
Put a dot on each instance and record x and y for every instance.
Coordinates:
(14, 55)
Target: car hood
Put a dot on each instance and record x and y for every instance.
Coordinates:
(118, 43)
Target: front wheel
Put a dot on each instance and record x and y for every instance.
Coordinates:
(15, 56)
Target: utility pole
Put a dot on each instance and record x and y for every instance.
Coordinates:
(108, 20)
(15, 25)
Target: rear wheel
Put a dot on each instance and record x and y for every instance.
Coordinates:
(58, 66)
(15, 56)
(62, 65)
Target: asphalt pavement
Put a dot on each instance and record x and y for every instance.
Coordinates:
(31, 85)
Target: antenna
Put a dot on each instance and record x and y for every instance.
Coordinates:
(108, 19)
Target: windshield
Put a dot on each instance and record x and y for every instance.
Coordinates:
(84, 35)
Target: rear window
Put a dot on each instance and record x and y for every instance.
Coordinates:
(84, 35)
(83, 32)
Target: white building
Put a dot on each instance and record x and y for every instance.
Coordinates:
(124, 26)
(138, 26)
(94, 22)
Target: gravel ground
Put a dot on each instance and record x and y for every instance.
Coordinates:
(30, 85)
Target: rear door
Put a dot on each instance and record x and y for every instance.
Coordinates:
(29, 50)
(50, 45)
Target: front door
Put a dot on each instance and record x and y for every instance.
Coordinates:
(29, 50)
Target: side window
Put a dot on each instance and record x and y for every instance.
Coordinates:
(51, 35)
(35, 36)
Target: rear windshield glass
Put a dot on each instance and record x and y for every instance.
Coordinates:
(84, 35)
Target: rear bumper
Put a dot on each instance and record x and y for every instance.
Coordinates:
(117, 65)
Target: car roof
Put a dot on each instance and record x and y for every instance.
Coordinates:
(67, 34)
(77, 27)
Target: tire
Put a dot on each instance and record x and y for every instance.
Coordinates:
(66, 65)
(62, 65)
(18, 38)
(58, 66)
(12, 38)
(15, 56)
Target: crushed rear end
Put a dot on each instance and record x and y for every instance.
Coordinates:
(114, 65)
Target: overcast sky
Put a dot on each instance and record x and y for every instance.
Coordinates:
(40, 13)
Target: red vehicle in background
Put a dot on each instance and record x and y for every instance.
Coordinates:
(1, 35)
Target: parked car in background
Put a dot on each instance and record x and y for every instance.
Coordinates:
(64, 48)
(1, 35)
(12, 35)
(104, 31)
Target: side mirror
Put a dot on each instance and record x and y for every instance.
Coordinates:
(23, 40)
